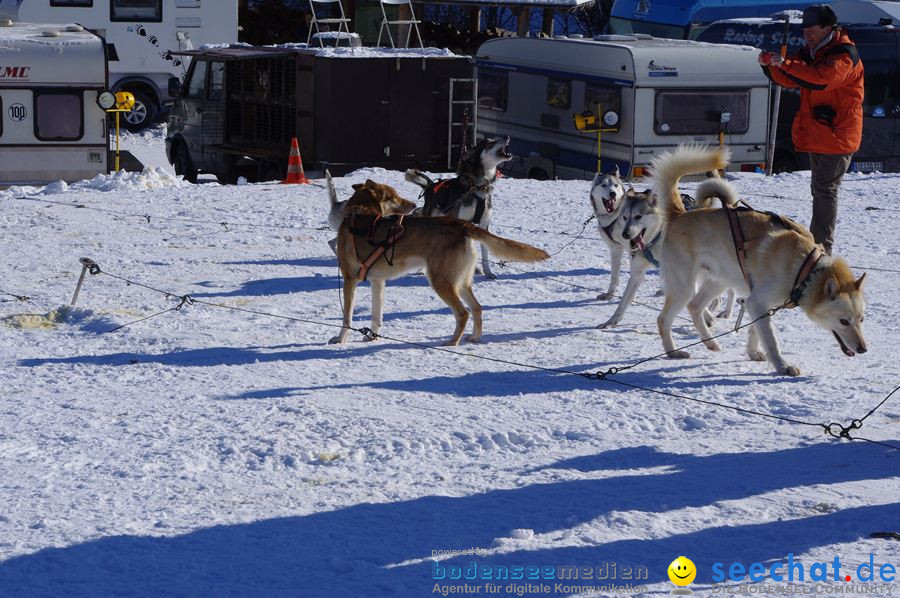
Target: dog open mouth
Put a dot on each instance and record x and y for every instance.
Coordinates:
(638, 241)
(844, 347)
(609, 204)
(505, 153)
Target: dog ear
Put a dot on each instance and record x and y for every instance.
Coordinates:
(652, 199)
(616, 170)
(630, 193)
(357, 186)
(859, 282)
(832, 288)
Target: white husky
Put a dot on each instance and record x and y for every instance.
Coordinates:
(780, 263)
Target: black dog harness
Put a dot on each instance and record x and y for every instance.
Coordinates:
(446, 194)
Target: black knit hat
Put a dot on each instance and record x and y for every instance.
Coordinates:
(819, 14)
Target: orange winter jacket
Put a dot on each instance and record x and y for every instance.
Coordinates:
(830, 118)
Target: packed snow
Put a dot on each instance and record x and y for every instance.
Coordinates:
(218, 451)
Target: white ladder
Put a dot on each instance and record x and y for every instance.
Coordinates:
(454, 112)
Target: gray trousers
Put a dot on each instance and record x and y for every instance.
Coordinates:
(827, 172)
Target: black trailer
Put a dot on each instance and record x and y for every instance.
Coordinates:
(240, 106)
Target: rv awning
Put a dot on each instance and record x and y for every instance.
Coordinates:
(239, 52)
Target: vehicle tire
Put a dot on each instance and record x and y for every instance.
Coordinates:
(143, 114)
(181, 159)
(538, 174)
(784, 162)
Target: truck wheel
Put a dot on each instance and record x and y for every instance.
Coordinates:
(538, 174)
(183, 165)
(142, 115)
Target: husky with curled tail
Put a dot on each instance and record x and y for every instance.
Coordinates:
(777, 264)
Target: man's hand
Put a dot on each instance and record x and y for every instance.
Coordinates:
(769, 59)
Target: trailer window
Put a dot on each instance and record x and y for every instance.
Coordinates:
(58, 116)
(559, 93)
(603, 98)
(197, 84)
(492, 89)
(85, 3)
(136, 10)
(700, 112)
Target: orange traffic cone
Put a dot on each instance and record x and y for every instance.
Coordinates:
(295, 172)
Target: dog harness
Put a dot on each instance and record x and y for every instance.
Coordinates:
(392, 235)
(446, 194)
(741, 244)
(803, 277)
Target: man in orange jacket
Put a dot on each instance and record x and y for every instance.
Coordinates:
(829, 123)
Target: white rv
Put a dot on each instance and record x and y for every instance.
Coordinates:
(51, 125)
(141, 36)
(652, 94)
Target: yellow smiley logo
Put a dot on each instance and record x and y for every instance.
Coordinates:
(682, 571)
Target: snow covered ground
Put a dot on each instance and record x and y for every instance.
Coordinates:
(211, 452)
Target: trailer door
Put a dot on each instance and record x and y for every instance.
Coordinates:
(880, 148)
(191, 111)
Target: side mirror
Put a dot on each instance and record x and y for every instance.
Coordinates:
(174, 87)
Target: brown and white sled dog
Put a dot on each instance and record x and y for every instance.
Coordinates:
(698, 247)
(443, 246)
(467, 196)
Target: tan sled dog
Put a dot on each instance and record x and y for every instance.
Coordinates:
(443, 246)
(780, 262)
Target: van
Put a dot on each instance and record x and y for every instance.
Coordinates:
(51, 124)
(879, 49)
(649, 94)
(348, 107)
(142, 37)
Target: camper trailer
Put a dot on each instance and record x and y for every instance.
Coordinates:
(51, 124)
(646, 95)
(141, 38)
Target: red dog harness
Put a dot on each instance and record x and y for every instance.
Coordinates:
(394, 232)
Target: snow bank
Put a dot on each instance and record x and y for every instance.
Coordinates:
(149, 180)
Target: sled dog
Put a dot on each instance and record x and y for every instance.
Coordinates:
(774, 262)
(467, 196)
(638, 227)
(607, 200)
(377, 243)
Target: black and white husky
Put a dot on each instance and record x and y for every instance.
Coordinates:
(607, 200)
(467, 196)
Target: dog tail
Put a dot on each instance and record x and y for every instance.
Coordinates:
(671, 166)
(332, 192)
(715, 187)
(419, 178)
(506, 249)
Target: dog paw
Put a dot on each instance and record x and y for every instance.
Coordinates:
(712, 345)
(660, 293)
(607, 324)
(724, 314)
(473, 339)
(678, 354)
(756, 355)
(335, 340)
(490, 275)
(789, 370)
(604, 297)
(451, 343)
